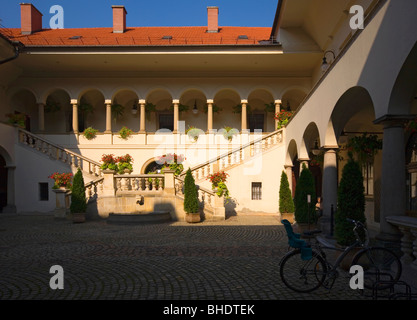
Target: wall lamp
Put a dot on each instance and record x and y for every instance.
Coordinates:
(325, 64)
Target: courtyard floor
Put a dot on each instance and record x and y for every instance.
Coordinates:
(236, 259)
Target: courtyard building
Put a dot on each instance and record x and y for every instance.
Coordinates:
(209, 95)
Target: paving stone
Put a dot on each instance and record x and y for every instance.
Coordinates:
(234, 259)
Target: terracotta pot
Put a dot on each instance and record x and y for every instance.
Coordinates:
(78, 217)
(288, 216)
(192, 217)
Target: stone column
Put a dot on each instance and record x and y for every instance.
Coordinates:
(60, 210)
(209, 115)
(169, 182)
(142, 116)
(109, 187)
(329, 189)
(277, 110)
(244, 115)
(108, 116)
(393, 176)
(176, 103)
(41, 116)
(74, 103)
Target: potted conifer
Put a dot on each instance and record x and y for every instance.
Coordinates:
(286, 203)
(78, 200)
(350, 204)
(305, 200)
(191, 206)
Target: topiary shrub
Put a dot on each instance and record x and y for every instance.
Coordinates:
(190, 194)
(78, 199)
(305, 212)
(350, 202)
(286, 203)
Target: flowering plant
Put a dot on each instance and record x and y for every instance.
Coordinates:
(218, 180)
(61, 180)
(17, 119)
(194, 132)
(218, 177)
(124, 162)
(125, 132)
(229, 132)
(172, 161)
(283, 117)
(90, 133)
(365, 147)
(109, 162)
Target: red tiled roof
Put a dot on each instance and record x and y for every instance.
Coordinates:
(141, 36)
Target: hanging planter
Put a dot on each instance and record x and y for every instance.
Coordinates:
(229, 132)
(193, 133)
(365, 147)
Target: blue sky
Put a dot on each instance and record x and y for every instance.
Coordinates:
(98, 13)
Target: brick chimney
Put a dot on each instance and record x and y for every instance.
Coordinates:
(119, 19)
(213, 19)
(31, 18)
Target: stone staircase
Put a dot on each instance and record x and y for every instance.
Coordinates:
(133, 186)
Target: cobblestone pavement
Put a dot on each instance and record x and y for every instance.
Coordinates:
(237, 259)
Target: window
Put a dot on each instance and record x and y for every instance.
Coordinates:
(368, 179)
(256, 190)
(256, 121)
(166, 121)
(43, 191)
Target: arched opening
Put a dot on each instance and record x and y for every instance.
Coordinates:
(227, 100)
(58, 112)
(91, 110)
(292, 99)
(262, 110)
(196, 115)
(159, 111)
(311, 148)
(352, 120)
(24, 102)
(125, 110)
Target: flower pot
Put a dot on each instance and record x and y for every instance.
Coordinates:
(192, 217)
(288, 216)
(78, 217)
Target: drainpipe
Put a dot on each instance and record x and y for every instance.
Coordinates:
(17, 46)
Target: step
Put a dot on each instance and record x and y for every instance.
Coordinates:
(139, 217)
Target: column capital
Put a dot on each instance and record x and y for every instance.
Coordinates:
(74, 101)
(107, 101)
(210, 101)
(175, 101)
(244, 101)
(142, 101)
(278, 101)
(330, 147)
(394, 120)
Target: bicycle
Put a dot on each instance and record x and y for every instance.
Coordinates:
(305, 270)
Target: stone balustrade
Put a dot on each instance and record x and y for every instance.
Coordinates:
(408, 228)
(58, 153)
(238, 155)
(139, 183)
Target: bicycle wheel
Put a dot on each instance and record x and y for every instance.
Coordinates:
(379, 264)
(302, 276)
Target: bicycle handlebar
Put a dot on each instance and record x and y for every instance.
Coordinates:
(361, 225)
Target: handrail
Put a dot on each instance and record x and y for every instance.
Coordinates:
(58, 147)
(238, 149)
